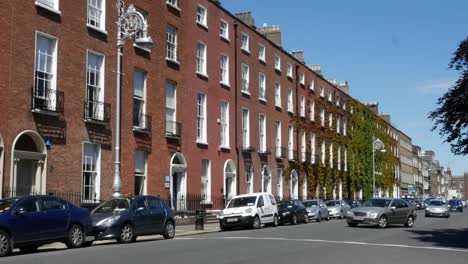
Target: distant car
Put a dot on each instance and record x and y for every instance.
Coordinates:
(411, 202)
(31, 221)
(126, 218)
(337, 208)
(456, 205)
(464, 203)
(353, 203)
(437, 207)
(317, 210)
(293, 212)
(382, 212)
(249, 210)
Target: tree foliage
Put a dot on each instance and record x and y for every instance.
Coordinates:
(451, 116)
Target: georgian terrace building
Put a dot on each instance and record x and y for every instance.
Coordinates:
(217, 107)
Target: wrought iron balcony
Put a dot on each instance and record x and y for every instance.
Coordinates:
(248, 149)
(142, 122)
(95, 111)
(47, 101)
(264, 152)
(173, 129)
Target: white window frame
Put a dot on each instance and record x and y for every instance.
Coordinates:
(205, 181)
(101, 13)
(202, 19)
(330, 96)
(338, 125)
(142, 32)
(312, 85)
(224, 124)
(224, 29)
(302, 78)
(290, 101)
(201, 119)
(245, 42)
(290, 142)
(262, 52)
(344, 127)
(245, 128)
(173, 3)
(141, 115)
(322, 91)
(278, 94)
(304, 187)
(277, 61)
(51, 97)
(312, 110)
(201, 59)
(330, 120)
(278, 143)
(51, 5)
(262, 86)
(144, 174)
(171, 44)
(312, 148)
(100, 86)
(339, 157)
(97, 171)
(345, 159)
(323, 152)
(331, 155)
(245, 79)
(262, 132)
(224, 67)
(302, 106)
(289, 70)
(249, 181)
(322, 117)
(303, 146)
(171, 127)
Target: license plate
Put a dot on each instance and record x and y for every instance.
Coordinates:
(229, 220)
(358, 218)
(89, 238)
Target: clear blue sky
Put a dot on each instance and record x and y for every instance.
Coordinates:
(394, 52)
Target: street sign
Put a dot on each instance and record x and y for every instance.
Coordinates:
(411, 188)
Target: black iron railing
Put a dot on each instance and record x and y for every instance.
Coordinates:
(96, 111)
(187, 204)
(173, 129)
(47, 100)
(142, 122)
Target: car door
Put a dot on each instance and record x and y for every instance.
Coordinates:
(273, 206)
(268, 210)
(56, 216)
(300, 209)
(261, 210)
(323, 208)
(27, 221)
(393, 212)
(157, 214)
(403, 211)
(140, 215)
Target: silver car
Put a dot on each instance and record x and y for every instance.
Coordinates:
(437, 207)
(337, 208)
(317, 210)
(382, 212)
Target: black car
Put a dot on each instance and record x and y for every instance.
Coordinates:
(126, 218)
(411, 202)
(456, 205)
(292, 211)
(353, 203)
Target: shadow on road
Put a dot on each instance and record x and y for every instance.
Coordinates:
(456, 238)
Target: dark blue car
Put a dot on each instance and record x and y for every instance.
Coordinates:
(31, 221)
(126, 218)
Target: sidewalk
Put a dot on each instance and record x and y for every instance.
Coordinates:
(181, 231)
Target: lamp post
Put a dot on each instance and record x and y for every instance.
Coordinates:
(377, 144)
(129, 23)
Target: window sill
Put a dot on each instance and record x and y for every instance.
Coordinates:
(173, 6)
(202, 25)
(172, 61)
(245, 50)
(225, 147)
(100, 30)
(262, 60)
(290, 77)
(224, 38)
(262, 99)
(245, 92)
(225, 84)
(201, 142)
(278, 106)
(202, 75)
(278, 70)
(141, 129)
(141, 48)
(51, 9)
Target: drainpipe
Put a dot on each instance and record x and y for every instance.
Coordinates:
(297, 112)
(236, 110)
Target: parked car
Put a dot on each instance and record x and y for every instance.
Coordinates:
(337, 208)
(317, 210)
(31, 221)
(455, 205)
(411, 202)
(249, 210)
(293, 212)
(437, 207)
(353, 203)
(382, 212)
(464, 203)
(126, 218)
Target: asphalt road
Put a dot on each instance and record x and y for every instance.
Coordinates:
(432, 240)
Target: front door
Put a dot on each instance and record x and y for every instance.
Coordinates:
(25, 177)
(177, 197)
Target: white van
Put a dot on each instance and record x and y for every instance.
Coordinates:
(249, 210)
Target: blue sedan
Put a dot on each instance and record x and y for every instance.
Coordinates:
(31, 221)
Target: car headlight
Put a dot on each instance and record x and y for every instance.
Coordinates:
(372, 215)
(308, 211)
(248, 210)
(108, 221)
(349, 213)
(221, 213)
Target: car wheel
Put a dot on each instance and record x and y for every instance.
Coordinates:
(319, 217)
(169, 230)
(383, 221)
(5, 243)
(28, 250)
(447, 216)
(256, 223)
(426, 215)
(76, 237)
(410, 221)
(275, 221)
(293, 219)
(306, 219)
(328, 217)
(224, 228)
(127, 234)
(352, 224)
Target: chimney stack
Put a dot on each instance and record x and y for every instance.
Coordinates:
(385, 116)
(247, 18)
(374, 107)
(299, 55)
(316, 68)
(344, 86)
(273, 33)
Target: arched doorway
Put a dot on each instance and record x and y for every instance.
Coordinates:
(266, 179)
(294, 185)
(28, 165)
(229, 180)
(178, 181)
(2, 147)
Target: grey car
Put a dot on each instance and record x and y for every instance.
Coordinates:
(337, 208)
(317, 210)
(382, 212)
(437, 207)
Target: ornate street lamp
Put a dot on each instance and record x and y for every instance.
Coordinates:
(129, 23)
(377, 144)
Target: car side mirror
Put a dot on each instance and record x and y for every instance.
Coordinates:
(393, 207)
(140, 209)
(19, 211)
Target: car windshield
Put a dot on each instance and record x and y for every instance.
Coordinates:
(112, 206)
(333, 203)
(311, 204)
(454, 202)
(377, 203)
(5, 204)
(242, 201)
(436, 202)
